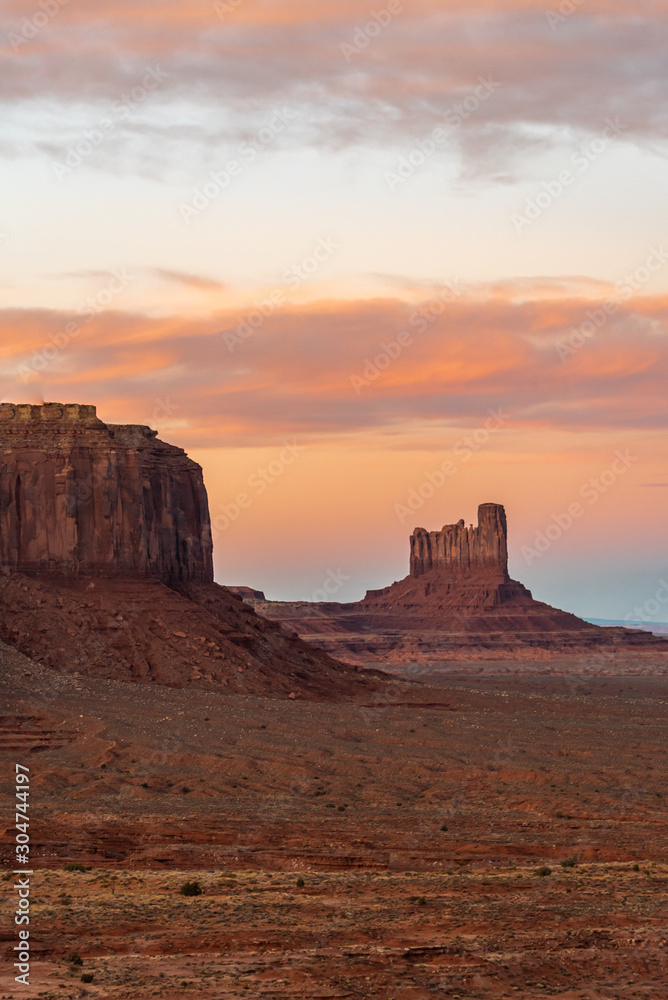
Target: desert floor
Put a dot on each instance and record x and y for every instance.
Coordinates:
(391, 849)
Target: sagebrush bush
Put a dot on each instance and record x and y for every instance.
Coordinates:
(191, 889)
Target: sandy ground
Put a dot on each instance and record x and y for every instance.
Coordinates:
(418, 822)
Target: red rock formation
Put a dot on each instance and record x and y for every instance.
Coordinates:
(247, 593)
(457, 602)
(82, 498)
(106, 560)
(462, 569)
(460, 551)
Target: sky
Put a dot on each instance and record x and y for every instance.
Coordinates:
(370, 265)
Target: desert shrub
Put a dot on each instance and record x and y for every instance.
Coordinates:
(191, 889)
(636, 868)
(65, 900)
(444, 828)
(185, 789)
(75, 959)
(543, 871)
(300, 883)
(87, 977)
(422, 901)
(569, 863)
(73, 866)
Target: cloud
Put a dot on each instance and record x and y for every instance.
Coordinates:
(558, 83)
(193, 281)
(334, 369)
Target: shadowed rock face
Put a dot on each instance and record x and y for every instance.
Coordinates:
(82, 498)
(458, 551)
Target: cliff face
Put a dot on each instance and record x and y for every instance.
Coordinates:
(106, 566)
(81, 498)
(462, 569)
(458, 551)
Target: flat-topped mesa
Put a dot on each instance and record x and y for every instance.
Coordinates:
(458, 552)
(80, 498)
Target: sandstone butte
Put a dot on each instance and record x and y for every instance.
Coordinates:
(83, 498)
(458, 602)
(106, 565)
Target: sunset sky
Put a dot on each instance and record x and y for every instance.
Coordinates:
(334, 248)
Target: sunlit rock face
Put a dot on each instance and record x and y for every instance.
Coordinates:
(81, 498)
(458, 551)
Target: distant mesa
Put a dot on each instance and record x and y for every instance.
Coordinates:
(248, 594)
(458, 602)
(465, 569)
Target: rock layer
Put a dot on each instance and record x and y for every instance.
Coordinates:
(82, 498)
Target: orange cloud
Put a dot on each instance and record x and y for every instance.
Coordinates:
(195, 281)
(327, 369)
